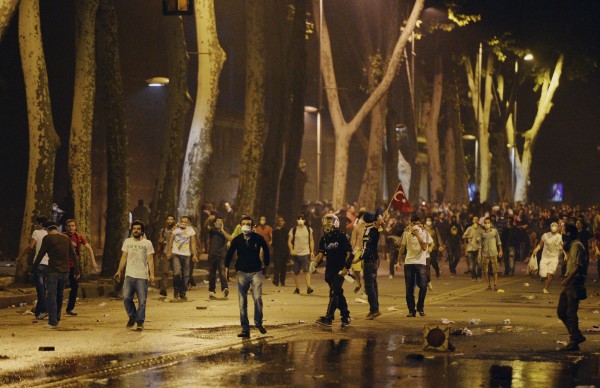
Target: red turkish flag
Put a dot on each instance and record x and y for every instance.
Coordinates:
(400, 202)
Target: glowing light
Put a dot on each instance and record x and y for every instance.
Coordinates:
(528, 57)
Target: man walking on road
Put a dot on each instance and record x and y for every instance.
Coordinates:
(491, 249)
(574, 286)
(40, 272)
(180, 248)
(416, 242)
(473, 237)
(370, 257)
(281, 252)
(334, 246)
(217, 249)
(248, 246)
(162, 263)
(301, 245)
(60, 252)
(552, 243)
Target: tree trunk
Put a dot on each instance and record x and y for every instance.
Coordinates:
(43, 140)
(343, 129)
(549, 86)
(279, 66)
(199, 146)
(110, 85)
(166, 192)
(254, 118)
(502, 167)
(290, 200)
(432, 116)
(82, 121)
(7, 9)
(372, 175)
(456, 183)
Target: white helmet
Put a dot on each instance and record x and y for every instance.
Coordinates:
(330, 223)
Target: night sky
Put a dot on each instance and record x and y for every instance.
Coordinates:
(568, 149)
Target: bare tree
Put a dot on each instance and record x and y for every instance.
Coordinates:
(43, 140)
(110, 87)
(7, 9)
(82, 121)
(199, 147)
(254, 118)
(166, 192)
(343, 129)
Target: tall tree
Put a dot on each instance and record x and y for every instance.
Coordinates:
(199, 147)
(291, 180)
(343, 129)
(254, 116)
(166, 192)
(110, 87)
(7, 9)
(82, 121)
(455, 184)
(43, 140)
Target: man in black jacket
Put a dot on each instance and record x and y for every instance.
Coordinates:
(249, 269)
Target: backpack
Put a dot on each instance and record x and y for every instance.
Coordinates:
(294, 235)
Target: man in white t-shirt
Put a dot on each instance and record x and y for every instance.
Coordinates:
(553, 244)
(41, 272)
(182, 247)
(417, 243)
(138, 262)
(301, 245)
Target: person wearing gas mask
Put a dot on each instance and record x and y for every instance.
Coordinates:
(249, 267)
(552, 244)
(573, 286)
(301, 247)
(334, 246)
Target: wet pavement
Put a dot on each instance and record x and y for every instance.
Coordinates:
(512, 341)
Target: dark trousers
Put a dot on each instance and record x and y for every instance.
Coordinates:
(474, 264)
(568, 304)
(393, 260)
(41, 285)
(74, 284)
(54, 300)
(370, 274)
(279, 269)
(453, 258)
(415, 275)
(433, 262)
(216, 264)
(191, 281)
(337, 300)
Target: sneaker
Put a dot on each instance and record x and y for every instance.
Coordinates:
(429, 286)
(41, 316)
(296, 291)
(374, 315)
(369, 315)
(309, 290)
(49, 326)
(130, 323)
(212, 295)
(324, 321)
(579, 339)
(571, 347)
(345, 321)
(411, 314)
(71, 312)
(244, 334)
(262, 329)
(282, 284)
(226, 292)
(140, 326)
(422, 313)
(183, 297)
(163, 292)
(276, 284)
(545, 291)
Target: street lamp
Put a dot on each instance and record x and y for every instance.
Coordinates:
(528, 57)
(157, 81)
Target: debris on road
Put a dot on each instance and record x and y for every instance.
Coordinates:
(446, 321)
(528, 297)
(525, 284)
(506, 321)
(415, 356)
(464, 331)
(359, 300)
(103, 304)
(201, 307)
(46, 348)
(392, 308)
(563, 343)
(475, 321)
(596, 312)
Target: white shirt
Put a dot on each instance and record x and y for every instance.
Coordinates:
(182, 239)
(552, 245)
(300, 242)
(137, 257)
(38, 235)
(414, 253)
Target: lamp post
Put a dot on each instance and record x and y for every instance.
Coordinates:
(512, 145)
(312, 109)
(473, 137)
(157, 81)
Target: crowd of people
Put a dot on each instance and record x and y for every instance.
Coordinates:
(352, 241)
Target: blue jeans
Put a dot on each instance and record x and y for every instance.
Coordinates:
(253, 280)
(181, 273)
(370, 274)
(74, 283)
(415, 274)
(474, 264)
(140, 288)
(41, 283)
(56, 286)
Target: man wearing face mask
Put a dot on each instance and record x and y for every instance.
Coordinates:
(217, 249)
(491, 249)
(249, 267)
(473, 237)
(552, 243)
(334, 246)
(301, 246)
(574, 286)
(453, 244)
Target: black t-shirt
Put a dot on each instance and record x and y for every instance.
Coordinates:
(280, 241)
(217, 243)
(370, 241)
(335, 246)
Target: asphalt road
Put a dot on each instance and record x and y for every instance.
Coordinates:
(195, 343)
